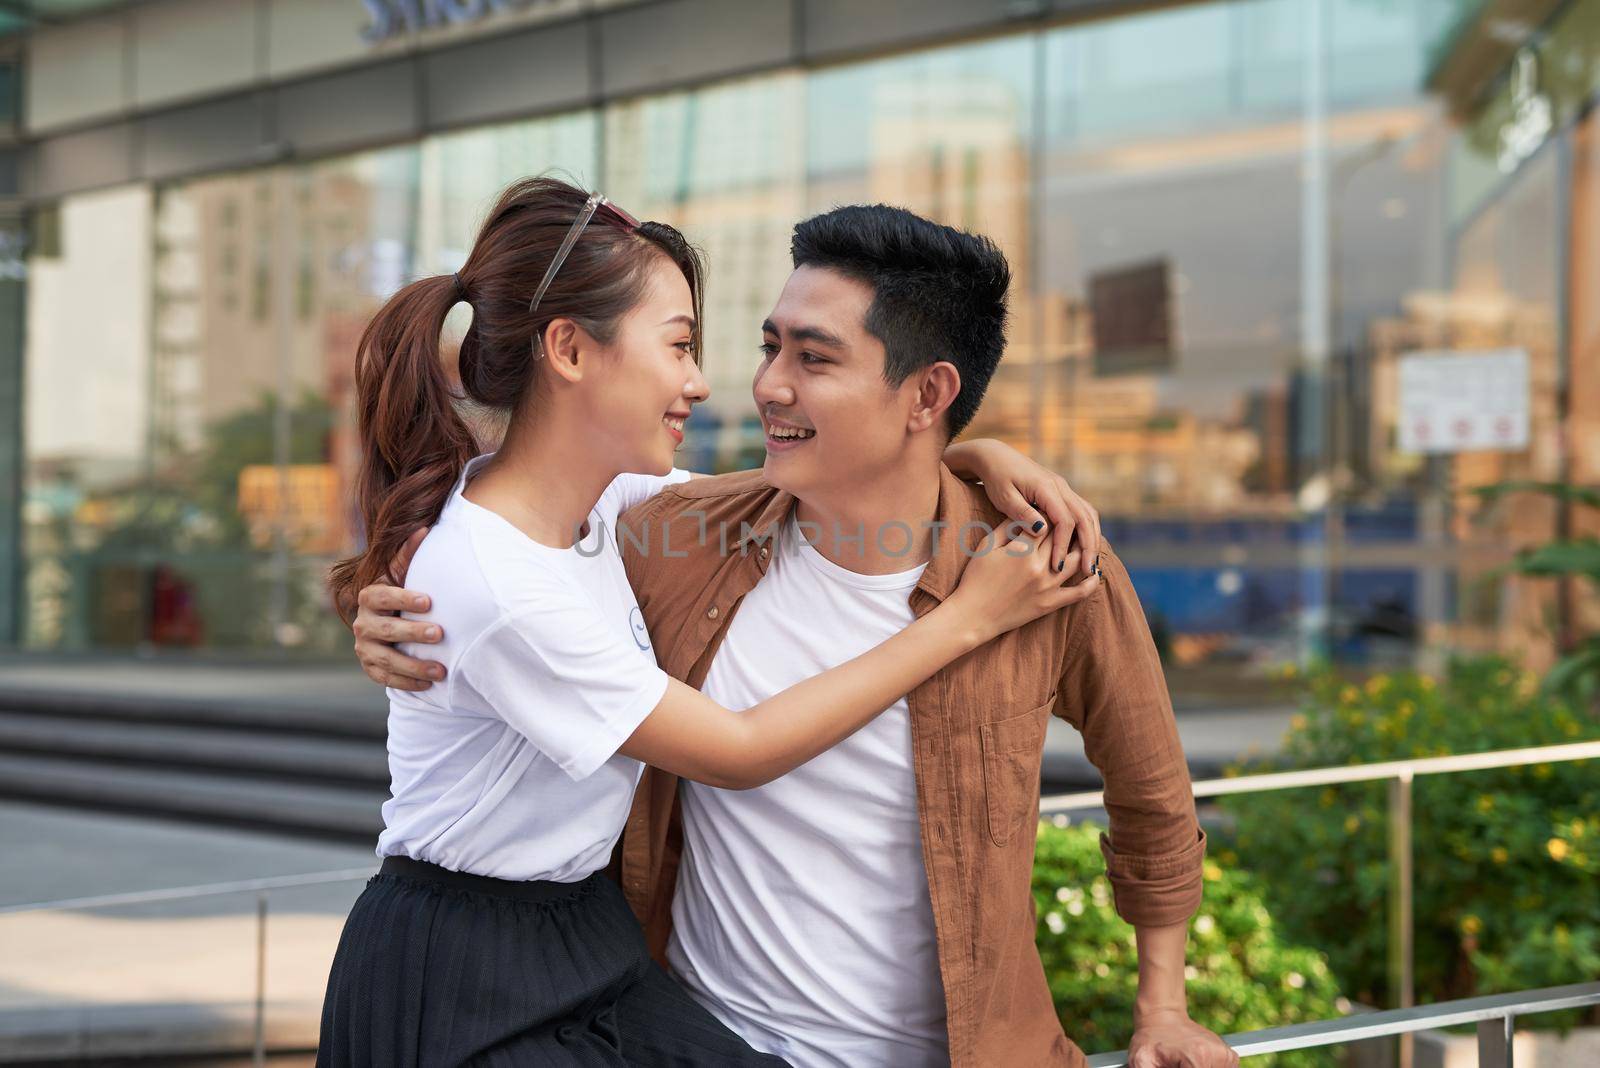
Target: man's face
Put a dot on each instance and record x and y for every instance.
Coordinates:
(831, 420)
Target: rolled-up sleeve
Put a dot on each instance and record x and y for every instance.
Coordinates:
(1113, 691)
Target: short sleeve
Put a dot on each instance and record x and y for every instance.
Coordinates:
(573, 685)
(627, 490)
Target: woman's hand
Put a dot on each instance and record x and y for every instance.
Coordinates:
(1031, 494)
(1012, 580)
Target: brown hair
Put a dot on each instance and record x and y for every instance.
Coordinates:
(414, 442)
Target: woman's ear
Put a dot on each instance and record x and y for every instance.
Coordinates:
(564, 348)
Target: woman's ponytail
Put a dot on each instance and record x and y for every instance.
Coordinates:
(413, 442)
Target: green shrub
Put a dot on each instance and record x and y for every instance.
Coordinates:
(1242, 975)
(1506, 862)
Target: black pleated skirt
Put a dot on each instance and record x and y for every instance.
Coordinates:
(438, 968)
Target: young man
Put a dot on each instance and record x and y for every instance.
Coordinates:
(873, 907)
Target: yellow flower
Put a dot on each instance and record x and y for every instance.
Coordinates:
(1471, 925)
(1485, 803)
(1557, 848)
(1425, 682)
(1349, 695)
(1298, 723)
(1290, 671)
(1377, 684)
(1542, 771)
(1499, 854)
(1578, 828)
(1351, 823)
(1327, 797)
(1406, 710)
(1213, 871)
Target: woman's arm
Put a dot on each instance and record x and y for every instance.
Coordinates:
(691, 735)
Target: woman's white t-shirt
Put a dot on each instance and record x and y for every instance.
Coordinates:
(509, 768)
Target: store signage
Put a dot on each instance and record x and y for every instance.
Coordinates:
(1132, 317)
(1453, 401)
(1531, 119)
(394, 18)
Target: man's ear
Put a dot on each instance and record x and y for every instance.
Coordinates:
(937, 388)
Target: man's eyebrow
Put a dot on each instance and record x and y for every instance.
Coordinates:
(807, 333)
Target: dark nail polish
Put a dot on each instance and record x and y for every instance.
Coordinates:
(1038, 526)
(1061, 566)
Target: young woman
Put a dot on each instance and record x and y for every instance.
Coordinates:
(490, 935)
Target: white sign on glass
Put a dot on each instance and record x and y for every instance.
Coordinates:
(1462, 401)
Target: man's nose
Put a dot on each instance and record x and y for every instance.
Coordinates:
(772, 384)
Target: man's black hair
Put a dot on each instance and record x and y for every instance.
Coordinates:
(938, 293)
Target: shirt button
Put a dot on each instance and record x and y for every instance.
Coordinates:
(712, 614)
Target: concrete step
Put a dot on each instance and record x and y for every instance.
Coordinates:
(344, 813)
(338, 719)
(257, 751)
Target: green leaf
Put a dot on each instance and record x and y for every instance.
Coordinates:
(1580, 556)
(1564, 491)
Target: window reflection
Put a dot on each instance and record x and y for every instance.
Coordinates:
(190, 447)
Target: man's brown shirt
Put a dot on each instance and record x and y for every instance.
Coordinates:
(977, 736)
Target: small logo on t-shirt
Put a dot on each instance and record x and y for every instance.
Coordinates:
(641, 636)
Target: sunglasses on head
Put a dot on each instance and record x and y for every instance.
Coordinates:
(596, 204)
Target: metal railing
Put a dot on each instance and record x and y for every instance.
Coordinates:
(1495, 1016)
(1399, 774)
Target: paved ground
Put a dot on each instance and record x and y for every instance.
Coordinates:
(71, 978)
(54, 853)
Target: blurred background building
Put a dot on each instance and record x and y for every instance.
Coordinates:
(1293, 277)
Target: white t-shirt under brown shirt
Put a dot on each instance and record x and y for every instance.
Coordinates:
(802, 917)
(510, 767)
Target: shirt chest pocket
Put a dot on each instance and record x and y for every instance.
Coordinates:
(1012, 751)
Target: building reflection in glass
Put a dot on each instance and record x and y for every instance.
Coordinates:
(190, 449)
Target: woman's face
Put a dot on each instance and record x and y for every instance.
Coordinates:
(650, 379)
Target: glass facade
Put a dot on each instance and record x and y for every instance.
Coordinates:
(1228, 224)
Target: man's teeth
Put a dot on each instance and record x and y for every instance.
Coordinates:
(790, 432)
(674, 421)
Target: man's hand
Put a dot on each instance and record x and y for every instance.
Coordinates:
(1030, 493)
(378, 628)
(1169, 1039)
